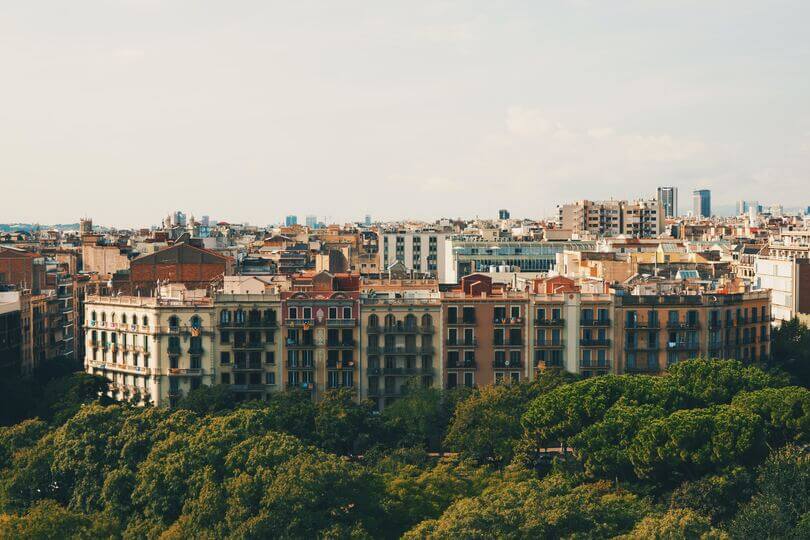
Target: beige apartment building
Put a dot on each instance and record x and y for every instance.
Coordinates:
(640, 218)
(152, 349)
(400, 342)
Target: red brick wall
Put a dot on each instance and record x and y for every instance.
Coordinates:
(177, 273)
(17, 270)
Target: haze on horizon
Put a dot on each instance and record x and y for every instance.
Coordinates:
(125, 109)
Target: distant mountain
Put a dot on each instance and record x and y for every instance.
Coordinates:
(9, 227)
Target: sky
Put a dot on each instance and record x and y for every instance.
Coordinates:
(124, 110)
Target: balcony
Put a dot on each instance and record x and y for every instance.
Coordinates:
(462, 321)
(293, 344)
(549, 322)
(715, 325)
(195, 348)
(683, 346)
(259, 324)
(174, 348)
(341, 323)
(549, 344)
(508, 343)
(642, 368)
(462, 342)
(508, 321)
(401, 329)
(594, 342)
(680, 325)
(402, 371)
(507, 364)
(309, 366)
(254, 345)
(374, 329)
(642, 325)
(604, 364)
(255, 366)
(373, 349)
(301, 385)
(300, 323)
(594, 322)
(427, 329)
(461, 364)
(341, 344)
(185, 371)
(247, 387)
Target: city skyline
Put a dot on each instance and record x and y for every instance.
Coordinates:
(397, 109)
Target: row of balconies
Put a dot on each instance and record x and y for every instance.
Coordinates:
(401, 329)
(256, 323)
(400, 371)
(400, 349)
(175, 348)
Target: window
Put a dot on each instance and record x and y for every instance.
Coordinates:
(307, 312)
(347, 312)
(270, 357)
(333, 313)
(145, 321)
(292, 313)
(225, 337)
(225, 378)
(373, 321)
(270, 378)
(452, 380)
(469, 379)
(515, 312)
(452, 314)
(224, 357)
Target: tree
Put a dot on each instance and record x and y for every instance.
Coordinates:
(419, 418)
(342, 425)
(716, 496)
(676, 524)
(785, 411)
(209, 399)
(790, 350)
(62, 397)
(602, 448)
(692, 442)
(780, 507)
(46, 519)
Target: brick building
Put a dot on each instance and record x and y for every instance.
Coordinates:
(182, 262)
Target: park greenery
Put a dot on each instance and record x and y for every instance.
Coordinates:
(712, 449)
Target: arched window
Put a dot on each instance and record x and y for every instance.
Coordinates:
(224, 316)
(410, 320)
(427, 320)
(93, 316)
(240, 316)
(196, 322)
(373, 320)
(254, 316)
(103, 317)
(269, 315)
(145, 321)
(112, 317)
(124, 318)
(174, 322)
(390, 321)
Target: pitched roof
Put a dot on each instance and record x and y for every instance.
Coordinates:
(181, 253)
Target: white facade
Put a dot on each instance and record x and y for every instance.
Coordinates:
(152, 350)
(779, 275)
(420, 251)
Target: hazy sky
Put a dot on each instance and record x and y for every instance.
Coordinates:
(247, 110)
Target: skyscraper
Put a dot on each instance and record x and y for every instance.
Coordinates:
(291, 220)
(503, 214)
(702, 203)
(312, 221)
(368, 220)
(669, 200)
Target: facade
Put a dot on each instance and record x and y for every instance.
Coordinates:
(289, 221)
(469, 255)
(655, 331)
(195, 267)
(248, 343)
(485, 334)
(152, 349)
(668, 196)
(702, 203)
(401, 342)
(420, 251)
(789, 281)
(321, 335)
(640, 218)
(10, 334)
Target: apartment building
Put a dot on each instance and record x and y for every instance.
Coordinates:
(248, 343)
(152, 349)
(401, 339)
(421, 251)
(10, 334)
(321, 342)
(485, 333)
(640, 218)
(789, 281)
(655, 331)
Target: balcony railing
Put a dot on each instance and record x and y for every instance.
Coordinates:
(683, 346)
(338, 343)
(174, 348)
(594, 322)
(642, 368)
(683, 325)
(341, 323)
(461, 364)
(255, 323)
(641, 346)
(549, 322)
(597, 364)
(404, 371)
(293, 344)
(594, 342)
(510, 321)
(654, 325)
(549, 343)
(254, 366)
(508, 343)
(185, 371)
(506, 364)
(462, 342)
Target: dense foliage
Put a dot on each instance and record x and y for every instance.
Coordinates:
(711, 449)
